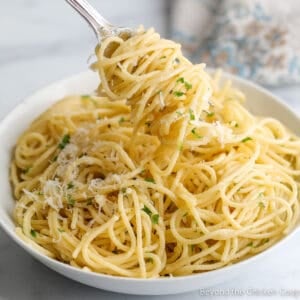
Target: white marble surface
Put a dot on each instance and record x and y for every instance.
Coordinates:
(43, 41)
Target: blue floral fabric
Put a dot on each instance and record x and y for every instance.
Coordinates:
(259, 40)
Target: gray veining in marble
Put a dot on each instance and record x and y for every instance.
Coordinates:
(44, 41)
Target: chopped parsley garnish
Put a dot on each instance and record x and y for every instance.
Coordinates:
(178, 93)
(250, 244)
(147, 210)
(162, 57)
(187, 85)
(154, 218)
(70, 185)
(64, 142)
(150, 180)
(121, 120)
(89, 201)
(123, 190)
(210, 114)
(54, 158)
(60, 230)
(265, 241)
(234, 124)
(246, 139)
(33, 233)
(198, 136)
(261, 205)
(180, 146)
(71, 201)
(192, 115)
(179, 113)
(88, 97)
(26, 170)
(181, 80)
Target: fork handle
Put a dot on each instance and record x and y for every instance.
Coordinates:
(100, 26)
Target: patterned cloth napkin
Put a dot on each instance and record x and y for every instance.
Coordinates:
(257, 39)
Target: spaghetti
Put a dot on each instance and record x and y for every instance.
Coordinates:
(163, 173)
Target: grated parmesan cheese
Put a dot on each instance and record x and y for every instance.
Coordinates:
(81, 136)
(53, 193)
(30, 195)
(115, 178)
(95, 184)
(22, 205)
(222, 133)
(69, 153)
(129, 191)
(65, 157)
(100, 200)
(161, 100)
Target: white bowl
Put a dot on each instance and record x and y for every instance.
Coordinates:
(259, 101)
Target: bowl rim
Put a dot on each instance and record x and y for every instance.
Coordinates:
(51, 261)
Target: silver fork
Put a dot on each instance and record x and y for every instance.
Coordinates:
(100, 25)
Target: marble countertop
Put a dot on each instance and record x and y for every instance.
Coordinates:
(44, 41)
